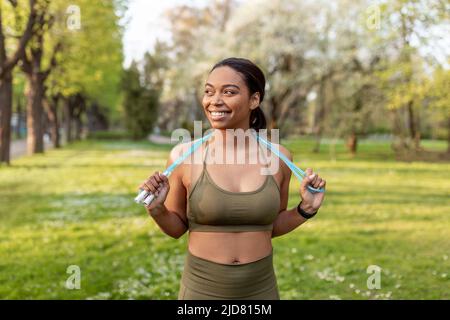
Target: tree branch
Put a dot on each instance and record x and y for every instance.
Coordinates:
(28, 33)
(13, 3)
(26, 63)
(53, 60)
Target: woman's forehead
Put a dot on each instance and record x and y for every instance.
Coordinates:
(225, 75)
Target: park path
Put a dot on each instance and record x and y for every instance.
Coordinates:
(159, 139)
(19, 148)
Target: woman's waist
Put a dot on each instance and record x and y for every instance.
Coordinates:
(231, 247)
(227, 280)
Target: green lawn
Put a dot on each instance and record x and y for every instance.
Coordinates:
(75, 207)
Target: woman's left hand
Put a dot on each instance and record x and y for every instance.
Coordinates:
(311, 202)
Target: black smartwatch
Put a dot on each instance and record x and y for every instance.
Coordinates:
(305, 214)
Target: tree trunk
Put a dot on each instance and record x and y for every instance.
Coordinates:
(19, 118)
(51, 107)
(78, 127)
(414, 133)
(352, 143)
(68, 119)
(35, 132)
(79, 107)
(5, 116)
(319, 115)
(448, 134)
(274, 114)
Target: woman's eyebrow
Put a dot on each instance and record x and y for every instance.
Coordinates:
(225, 85)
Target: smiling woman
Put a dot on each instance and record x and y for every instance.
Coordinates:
(232, 83)
(231, 212)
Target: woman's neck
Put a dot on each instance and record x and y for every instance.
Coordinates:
(233, 137)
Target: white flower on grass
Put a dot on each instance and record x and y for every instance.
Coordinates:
(329, 274)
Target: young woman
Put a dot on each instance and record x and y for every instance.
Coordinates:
(231, 211)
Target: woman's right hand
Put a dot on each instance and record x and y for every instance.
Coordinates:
(157, 184)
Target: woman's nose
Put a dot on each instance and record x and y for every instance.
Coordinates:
(217, 99)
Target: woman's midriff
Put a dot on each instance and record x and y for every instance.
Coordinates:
(230, 247)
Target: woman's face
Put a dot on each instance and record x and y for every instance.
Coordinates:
(227, 102)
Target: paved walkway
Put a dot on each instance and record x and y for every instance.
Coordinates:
(19, 148)
(159, 139)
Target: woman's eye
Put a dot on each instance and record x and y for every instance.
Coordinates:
(229, 92)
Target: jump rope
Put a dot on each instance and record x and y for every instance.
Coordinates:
(146, 197)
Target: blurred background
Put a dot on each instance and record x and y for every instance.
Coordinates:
(90, 92)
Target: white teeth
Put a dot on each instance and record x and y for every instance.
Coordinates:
(218, 113)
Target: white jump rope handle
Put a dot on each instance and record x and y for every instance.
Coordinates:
(146, 197)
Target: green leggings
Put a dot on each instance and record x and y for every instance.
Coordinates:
(207, 280)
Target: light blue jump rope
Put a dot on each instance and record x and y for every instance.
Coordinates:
(147, 197)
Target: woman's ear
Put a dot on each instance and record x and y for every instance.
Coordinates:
(254, 101)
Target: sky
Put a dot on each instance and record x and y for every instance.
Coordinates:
(146, 24)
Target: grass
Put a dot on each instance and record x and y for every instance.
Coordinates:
(75, 207)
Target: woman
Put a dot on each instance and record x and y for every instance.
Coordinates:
(232, 212)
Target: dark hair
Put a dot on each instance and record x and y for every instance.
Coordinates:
(255, 81)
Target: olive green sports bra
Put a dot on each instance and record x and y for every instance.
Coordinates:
(211, 208)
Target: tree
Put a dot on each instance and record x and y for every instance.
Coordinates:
(86, 75)
(37, 74)
(140, 104)
(64, 68)
(7, 64)
(439, 95)
(406, 27)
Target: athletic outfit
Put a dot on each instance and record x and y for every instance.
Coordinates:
(211, 208)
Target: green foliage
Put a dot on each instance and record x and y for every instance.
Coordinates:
(91, 58)
(75, 206)
(439, 91)
(140, 104)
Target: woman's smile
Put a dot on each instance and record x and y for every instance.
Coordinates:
(219, 115)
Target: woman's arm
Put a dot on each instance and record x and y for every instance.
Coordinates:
(170, 216)
(287, 220)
